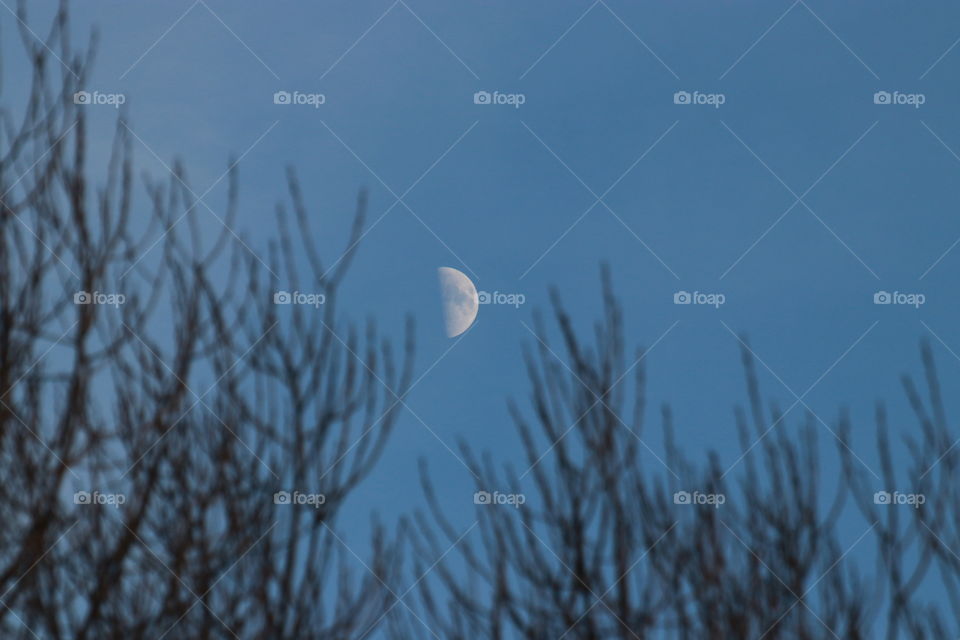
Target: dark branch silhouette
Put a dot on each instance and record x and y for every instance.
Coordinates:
(178, 435)
(612, 541)
(154, 398)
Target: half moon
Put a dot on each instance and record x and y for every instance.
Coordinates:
(460, 300)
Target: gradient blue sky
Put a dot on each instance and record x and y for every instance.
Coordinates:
(504, 189)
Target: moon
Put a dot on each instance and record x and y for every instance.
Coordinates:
(460, 300)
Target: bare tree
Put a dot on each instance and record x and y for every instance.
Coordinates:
(917, 547)
(175, 446)
(177, 442)
(614, 541)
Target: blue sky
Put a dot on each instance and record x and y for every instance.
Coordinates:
(797, 199)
